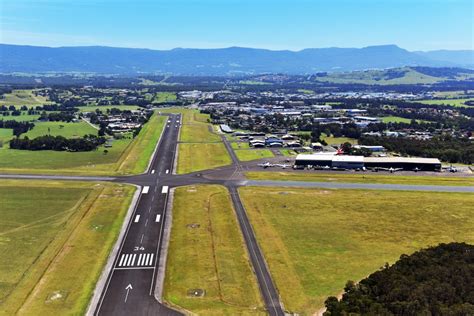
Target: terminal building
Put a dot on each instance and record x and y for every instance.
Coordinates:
(332, 160)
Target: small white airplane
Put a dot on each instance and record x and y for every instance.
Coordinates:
(266, 165)
(283, 166)
(391, 169)
(452, 169)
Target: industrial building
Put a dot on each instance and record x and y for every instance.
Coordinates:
(332, 160)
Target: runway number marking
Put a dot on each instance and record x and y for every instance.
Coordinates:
(137, 218)
(145, 189)
(158, 217)
(132, 260)
(164, 190)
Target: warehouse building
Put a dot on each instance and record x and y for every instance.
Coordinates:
(358, 162)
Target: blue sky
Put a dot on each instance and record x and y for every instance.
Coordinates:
(273, 24)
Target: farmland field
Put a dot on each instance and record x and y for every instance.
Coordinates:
(23, 97)
(68, 130)
(314, 240)
(453, 102)
(207, 253)
(126, 156)
(48, 230)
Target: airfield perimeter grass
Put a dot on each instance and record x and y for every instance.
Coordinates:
(314, 241)
(126, 156)
(361, 178)
(55, 238)
(253, 154)
(199, 148)
(211, 257)
(201, 156)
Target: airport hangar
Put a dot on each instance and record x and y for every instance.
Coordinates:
(359, 162)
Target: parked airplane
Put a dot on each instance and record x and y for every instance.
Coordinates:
(283, 166)
(266, 165)
(391, 169)
(451, 169)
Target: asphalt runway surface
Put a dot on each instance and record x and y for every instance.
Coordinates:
(131, 282)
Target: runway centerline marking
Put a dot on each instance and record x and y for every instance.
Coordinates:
(141, 240)
(146, 222)
(167, 171)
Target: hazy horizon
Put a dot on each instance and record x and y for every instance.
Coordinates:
(415, 25)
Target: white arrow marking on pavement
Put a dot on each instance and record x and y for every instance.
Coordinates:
(128, 288)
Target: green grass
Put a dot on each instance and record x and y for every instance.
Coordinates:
(254, 83)
(398, 119)
(104, 108)
(197, 132)
(23, 97)
(253, 154)
(453, 102)
(288, 152)
(330, 140)
(163, 97)
(49, 229)
(240, 145)
(126, 156)
(5, 135)
(68, 130)
(315, 240)
(211, 257)
(22, 118)
(305, 91)
(201, 156)
(361, 178)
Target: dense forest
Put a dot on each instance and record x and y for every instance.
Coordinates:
(434, 281)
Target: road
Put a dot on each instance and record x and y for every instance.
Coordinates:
(130, 285)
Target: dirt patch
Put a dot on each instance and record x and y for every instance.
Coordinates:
(193, 225)
(196, 292)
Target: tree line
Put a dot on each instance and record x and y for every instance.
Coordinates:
(434, 281)
(58, 143)
(18, 127)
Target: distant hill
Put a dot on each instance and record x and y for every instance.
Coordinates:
(225, 61)
(463, 58)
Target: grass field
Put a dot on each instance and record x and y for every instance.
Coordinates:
(21, 118)
(201, 156)
(68, 130)
(197, 133)
(453, 102)
(361, 178)
(104, 108)
(5, 135)
(395, 119)
(210, 256)
(315, 240)
(22, 97)
(288, 152)
(240, 145)
(331, 140)
(126, 156)
(58, 236)
(252, 154)
(200, 149)
(162, 97)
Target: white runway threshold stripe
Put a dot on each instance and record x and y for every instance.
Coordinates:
(145, 189)
(158, 217)
(153, 171)
(136, 260)
(164, 190)
(137, 218)
(167, 171)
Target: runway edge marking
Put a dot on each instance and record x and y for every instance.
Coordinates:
(102, 283)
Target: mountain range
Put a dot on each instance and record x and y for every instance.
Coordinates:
(224, 61)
